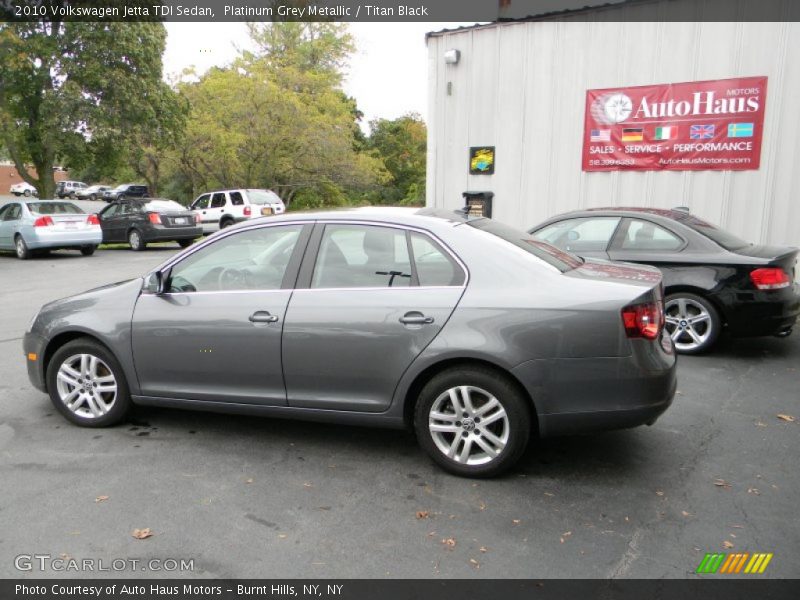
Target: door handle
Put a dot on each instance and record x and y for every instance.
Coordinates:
(415, 318)
(263, 316)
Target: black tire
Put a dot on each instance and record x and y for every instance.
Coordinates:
(185, 243)
(484, 383)
(92, 196)
(27, 193)
(21, 248)
(88, 250)
(225, 223)
(706, 328)
(119, 402)
(136, 241)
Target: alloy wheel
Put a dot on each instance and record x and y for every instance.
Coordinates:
(469, 425)
(688, 323)
(86, 386)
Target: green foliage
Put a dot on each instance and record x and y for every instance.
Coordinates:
(401, 145)
(80, 93)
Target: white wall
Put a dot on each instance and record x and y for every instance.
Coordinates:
(522, 86)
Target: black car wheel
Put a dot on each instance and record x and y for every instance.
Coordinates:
(472, 421)
(225, 223)
(87, 385)
(185, 243)
(135, 240)
(88, 250)
(27, 193)
(692, 322)
(21, 248)
(92, 196)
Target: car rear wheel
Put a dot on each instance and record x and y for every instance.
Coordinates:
(23, 253)
(88, 250)
(87, 385)
(185, 243)
(472, 422)
(27, 193)
(135, 240)
(225, 223)
(692, 322)
(92, 196)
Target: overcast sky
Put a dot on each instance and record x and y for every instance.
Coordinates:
(388, 75)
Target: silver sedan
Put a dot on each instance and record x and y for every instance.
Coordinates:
(42, 225)
(473, 334)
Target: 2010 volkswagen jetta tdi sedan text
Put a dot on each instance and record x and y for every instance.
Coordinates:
(472, 333)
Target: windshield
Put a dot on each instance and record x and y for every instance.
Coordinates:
(163, 206)
(54, 208)
(263, 197)
(563, 261)
(720, 236)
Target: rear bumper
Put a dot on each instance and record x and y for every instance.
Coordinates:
(763, 312)
(158, 234)
(63, 239)
(582, 395)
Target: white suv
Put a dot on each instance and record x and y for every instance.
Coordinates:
(220, 209)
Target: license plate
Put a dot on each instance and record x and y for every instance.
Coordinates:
(70, 225)
(180, 221)
(267, 210)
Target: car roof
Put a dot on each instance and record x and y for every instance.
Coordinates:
(627, 211)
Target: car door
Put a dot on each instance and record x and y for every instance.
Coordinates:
(584, 236)
(9, 217)
(643, 241)
(112, 223)
(215, 210)
(215, 334)
(359, 316)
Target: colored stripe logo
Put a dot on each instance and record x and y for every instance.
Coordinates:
(735, 563)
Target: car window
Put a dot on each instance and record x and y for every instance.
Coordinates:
(589, 234)
(218, 201)
(724, 238)
(263, 197)
(362, 256)
(54, 208)
(202, 201)
(13, 213)
(109, 211)
(4, 210)
(236, 198)
(251, 260)
(647, 236)
(434, 266)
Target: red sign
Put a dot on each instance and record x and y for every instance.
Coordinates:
(682, 126)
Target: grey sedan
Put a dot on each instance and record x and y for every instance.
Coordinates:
(469, 332)
(42, 225)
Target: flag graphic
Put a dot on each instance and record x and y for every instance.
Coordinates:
(740, 130)
(666, 133)
(632, 134)
(701, 132)
(735, 563)
(600, 135)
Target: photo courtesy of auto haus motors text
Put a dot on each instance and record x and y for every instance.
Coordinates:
(184, 590)
(704, 125)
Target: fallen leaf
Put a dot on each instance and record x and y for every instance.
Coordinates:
(788, 418)
(431, 534)
(627, 519)
(449, 542)
(250, 480)
(101, 499)
(678, 392)
(482, 505)
(516, 521)
(686, 514)
(549, 494)
(567, 534)
(722, 483)
(727, 544)
(753, 490)
(484, 549)
(659, 493)
(307, 484)
(733, 535)
(64, 556)
(475, 563)
(452, 517)
(738, 526)
(760, 424)
(282, 536)
(423, 514)
(141, 534)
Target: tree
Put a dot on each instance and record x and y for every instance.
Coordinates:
(79, 93)
(401, 145)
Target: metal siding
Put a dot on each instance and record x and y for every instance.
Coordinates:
(539, 72)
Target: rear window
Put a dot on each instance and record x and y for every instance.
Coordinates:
(720, 236)
(54, 208)
(263, 197)
(563, 261)
(163, 206)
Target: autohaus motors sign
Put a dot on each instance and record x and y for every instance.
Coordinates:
(683, 126)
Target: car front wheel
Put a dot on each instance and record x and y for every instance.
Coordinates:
(87, 385)
(88, 250)
(472, 422)
(27, 193)
(692, 322)
(135, 240)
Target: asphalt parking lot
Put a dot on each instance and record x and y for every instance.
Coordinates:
(248, 497)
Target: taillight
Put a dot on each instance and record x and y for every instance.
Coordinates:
(247, 211)
(155, 218)
(43, 222)
(93, 220)
(772, 278)
(643, 320)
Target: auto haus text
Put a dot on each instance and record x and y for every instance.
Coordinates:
(98, 591)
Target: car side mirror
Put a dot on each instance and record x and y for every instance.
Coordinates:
(158, 282)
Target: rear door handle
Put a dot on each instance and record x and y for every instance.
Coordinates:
(263, 316)
(415, 318)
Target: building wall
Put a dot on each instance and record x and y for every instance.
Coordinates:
(9, 176)
(521, 86)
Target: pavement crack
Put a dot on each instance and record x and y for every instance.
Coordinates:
(628, 558)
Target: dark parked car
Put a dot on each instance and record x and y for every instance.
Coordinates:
(470, 332)
(140, 221)
(126, 190)
(713, 280)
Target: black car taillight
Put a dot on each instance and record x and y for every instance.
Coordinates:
(644, 320)
(772, 278)
(155, 218)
